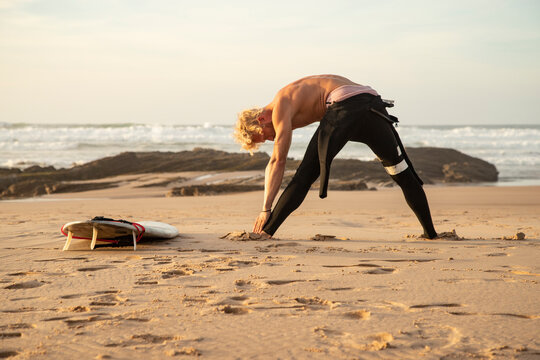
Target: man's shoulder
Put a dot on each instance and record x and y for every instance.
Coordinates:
(296, 91)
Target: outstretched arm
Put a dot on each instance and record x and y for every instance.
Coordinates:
(282, 122)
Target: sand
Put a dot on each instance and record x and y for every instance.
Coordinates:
(370, 290)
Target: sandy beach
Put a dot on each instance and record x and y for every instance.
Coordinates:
(375, 291)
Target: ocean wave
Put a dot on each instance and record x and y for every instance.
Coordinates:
(515, 150)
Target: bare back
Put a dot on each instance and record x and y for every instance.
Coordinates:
(307, 97)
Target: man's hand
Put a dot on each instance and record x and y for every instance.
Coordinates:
(261, 220)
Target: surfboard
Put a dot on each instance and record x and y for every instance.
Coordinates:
(116, 231)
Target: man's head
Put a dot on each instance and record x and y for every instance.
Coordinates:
(254, 126)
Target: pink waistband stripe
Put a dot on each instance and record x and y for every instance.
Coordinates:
(346, 91)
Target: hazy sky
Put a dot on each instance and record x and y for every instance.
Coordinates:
(188, 62)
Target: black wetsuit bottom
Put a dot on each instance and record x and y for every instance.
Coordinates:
(370, 129)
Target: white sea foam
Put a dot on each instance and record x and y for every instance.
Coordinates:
(515, 150)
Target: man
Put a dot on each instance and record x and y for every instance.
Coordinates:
(347, 112)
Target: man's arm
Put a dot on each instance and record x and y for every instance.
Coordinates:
(282, 122)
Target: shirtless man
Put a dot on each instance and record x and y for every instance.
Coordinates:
(347, 112)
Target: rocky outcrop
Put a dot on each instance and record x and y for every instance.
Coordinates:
(434, 165)
(212, 189)
(451, 166)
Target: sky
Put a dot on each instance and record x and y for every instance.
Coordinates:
(460, 62)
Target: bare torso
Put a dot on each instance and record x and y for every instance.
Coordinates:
(296, 105)
(307, 97)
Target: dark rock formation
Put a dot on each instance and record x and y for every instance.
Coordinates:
(214, 189)
(451, 166)
(434, 165)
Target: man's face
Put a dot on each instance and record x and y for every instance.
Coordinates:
(268, 132)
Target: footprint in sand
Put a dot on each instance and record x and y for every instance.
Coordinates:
(193, 300)
(282, 282)
(96, 268)
(176, 272)
(380, 271)
(25, 298)
(26, 285)
(107, 292)
(424, 306)
(186, 350)
(24, 273)
(284, 244)
(17, 326)
(57, 318)
(144, 339)
(136, 319)
(8, 335)
(341, 289)
(20, 310)
(71, 296)
(107, 300)
(145, 279)
(243, 263)
(234, 300)
(146, 282)
(78, 308)
(435, 337)
(358, 315)
(520, 316)
(234, 310)
(77, 323)
(355, 265)
(154, 339)
(243, 285)
(410, 260)
(316, 302)
(342, 340)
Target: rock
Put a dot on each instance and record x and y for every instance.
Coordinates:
(517, 236)
(348, 185)
(432, 164)
(39, 169)
(321, 237)
(9, 171)
(26, 188)
(449, 165)
(214, 189)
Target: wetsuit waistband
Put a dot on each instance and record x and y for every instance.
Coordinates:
(346, 91)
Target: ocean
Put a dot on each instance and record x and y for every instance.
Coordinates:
(513, 149)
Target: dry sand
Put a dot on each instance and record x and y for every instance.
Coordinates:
(372, 292)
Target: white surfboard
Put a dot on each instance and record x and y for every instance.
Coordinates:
(109, 230)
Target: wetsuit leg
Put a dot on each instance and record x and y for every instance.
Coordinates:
(297, 189)
(306, 174)
(416, 199)
(380, 137)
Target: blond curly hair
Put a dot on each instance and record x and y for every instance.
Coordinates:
(247, 126)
